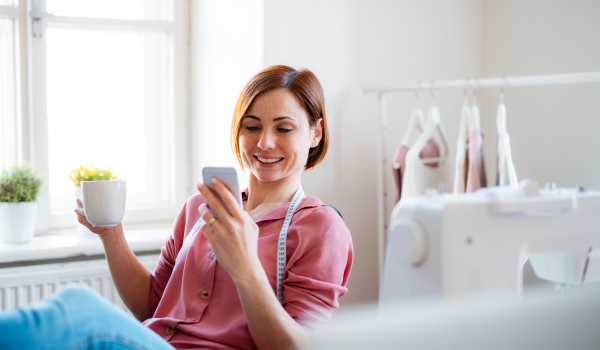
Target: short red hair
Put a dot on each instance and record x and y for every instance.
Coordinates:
(304, 85)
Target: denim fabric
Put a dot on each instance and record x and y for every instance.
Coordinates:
(77, 318)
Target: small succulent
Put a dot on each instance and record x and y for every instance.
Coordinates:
(20, 184)
(90, 172)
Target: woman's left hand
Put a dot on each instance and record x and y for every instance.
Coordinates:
(234, 237)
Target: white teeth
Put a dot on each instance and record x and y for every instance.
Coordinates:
(271, 160)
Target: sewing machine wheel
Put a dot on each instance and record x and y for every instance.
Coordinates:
(408, 239)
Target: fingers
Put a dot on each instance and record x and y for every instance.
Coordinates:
(81, 214)
(215, 226)
(81, 218)
(227, 197)
(83, 221)
(214, 202)
(208, 230)
(79, 204)
(208, 233)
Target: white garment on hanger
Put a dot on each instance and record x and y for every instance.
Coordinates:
(475, 120)
(416, 125)
(507, 175)
(460, 175)
(417, 175)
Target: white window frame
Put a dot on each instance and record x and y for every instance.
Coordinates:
(32, 21)
(20, 136)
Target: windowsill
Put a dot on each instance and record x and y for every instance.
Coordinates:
(67, 243)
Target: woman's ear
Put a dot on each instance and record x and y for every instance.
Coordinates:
(316, 133)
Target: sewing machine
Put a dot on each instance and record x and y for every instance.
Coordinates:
(448, 245)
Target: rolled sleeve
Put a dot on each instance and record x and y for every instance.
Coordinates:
(318, 271)
(166, 262)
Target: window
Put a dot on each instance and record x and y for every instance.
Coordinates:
(117, 114)
(8, 97)
(108, 87)
(156, 10)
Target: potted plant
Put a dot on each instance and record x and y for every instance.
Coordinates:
(88, 172)
(19, 190)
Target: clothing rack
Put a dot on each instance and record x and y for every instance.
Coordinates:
(483, 83)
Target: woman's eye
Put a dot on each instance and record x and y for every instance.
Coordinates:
(283, 130)
(252, 128)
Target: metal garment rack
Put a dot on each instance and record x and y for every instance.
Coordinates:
(484, 83)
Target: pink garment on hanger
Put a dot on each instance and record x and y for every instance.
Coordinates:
(399, 162)
(474, 162)
(431, 150)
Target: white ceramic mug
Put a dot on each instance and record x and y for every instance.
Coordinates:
(103, 202)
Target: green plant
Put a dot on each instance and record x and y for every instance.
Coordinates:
(90, 172)
(20, 184)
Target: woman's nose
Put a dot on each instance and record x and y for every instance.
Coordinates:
(266, 141)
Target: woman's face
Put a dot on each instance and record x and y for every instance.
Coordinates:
(275, 136)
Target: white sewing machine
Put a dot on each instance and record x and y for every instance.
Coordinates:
(447, 245)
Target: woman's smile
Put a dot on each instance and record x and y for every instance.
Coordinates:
(268, 161)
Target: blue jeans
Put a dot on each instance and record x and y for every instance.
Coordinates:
(77, 318)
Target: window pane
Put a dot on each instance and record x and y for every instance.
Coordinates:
(7, 2)
(108, 104)
(120, 9)
(8, 125)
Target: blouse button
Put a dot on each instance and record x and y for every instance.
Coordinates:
(212, 256)
(203, 293)
(169, 330)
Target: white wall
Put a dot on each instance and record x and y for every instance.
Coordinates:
(554, 130)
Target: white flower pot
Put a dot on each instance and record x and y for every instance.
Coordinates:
(17, 222)
(82, 231)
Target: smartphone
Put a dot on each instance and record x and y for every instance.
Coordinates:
(228, 176)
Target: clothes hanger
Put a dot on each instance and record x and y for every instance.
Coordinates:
(475, 123)
(416, 122)
(506, 166)
(501, 115)
(434, 123)
(465, 117)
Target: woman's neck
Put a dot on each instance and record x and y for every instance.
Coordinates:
(276, 192)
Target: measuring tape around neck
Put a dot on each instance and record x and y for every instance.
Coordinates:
(282, 243)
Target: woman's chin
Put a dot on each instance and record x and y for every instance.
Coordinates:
(273, 173)
(267, 174)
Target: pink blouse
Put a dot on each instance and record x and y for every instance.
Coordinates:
(475, 162)
(194, 301)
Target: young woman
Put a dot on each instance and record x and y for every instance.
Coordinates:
(216, 282)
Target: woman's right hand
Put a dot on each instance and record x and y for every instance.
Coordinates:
(101, 231)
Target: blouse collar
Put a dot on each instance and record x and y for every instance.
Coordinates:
(279, 212)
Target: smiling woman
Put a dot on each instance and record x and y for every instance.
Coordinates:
(278, 131)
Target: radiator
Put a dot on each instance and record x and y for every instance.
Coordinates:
(22, 286)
